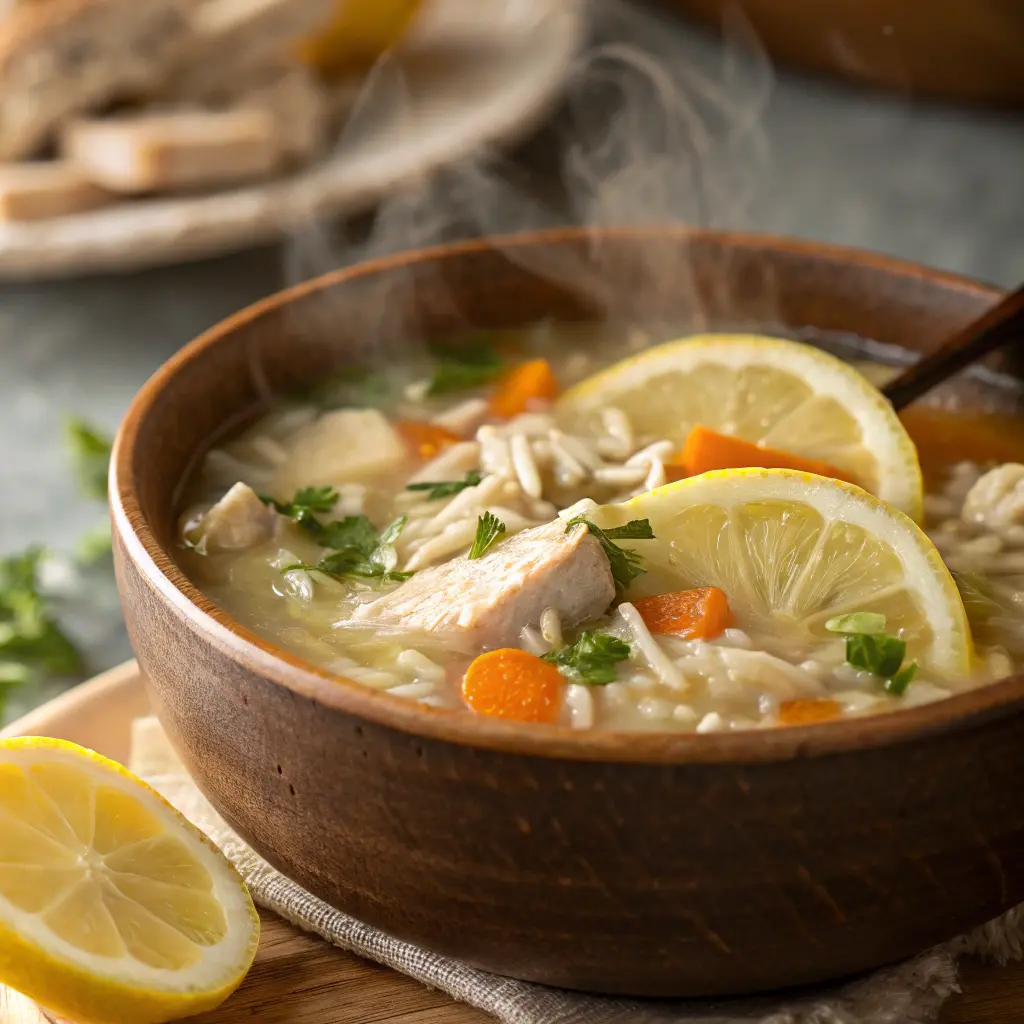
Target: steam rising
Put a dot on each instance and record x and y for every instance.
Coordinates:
(651, 132)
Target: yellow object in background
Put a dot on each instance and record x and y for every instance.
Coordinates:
(360, 31)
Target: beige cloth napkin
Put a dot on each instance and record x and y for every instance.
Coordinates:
(910, 993)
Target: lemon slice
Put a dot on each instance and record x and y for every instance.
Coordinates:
(791, 551)
(780, 394)
(112, 906)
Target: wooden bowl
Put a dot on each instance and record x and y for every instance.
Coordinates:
(658, 865)
(945, 48)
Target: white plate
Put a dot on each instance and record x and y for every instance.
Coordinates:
(475, 72)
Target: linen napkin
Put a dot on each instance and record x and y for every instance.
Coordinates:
(909, 993)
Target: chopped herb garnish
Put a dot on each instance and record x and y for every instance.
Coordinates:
(591, 660)
(339, 565)
(897, 684)
(355, 532)
(857, 622)
(635, 529)
(350, 386)
(91, 452)
(626, 565)
(877, 653)
(31, 641)
(359, 549)
(488, 529)
(446, 488)
(392, 531)
(464, 366)
(306, 499)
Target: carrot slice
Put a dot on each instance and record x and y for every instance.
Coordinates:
(509, 683)
(807, 711)
(675, 471)
(425, 439)
(699, 614)
(706, 450)
(524, 384)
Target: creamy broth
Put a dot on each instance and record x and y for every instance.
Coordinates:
(526, 469)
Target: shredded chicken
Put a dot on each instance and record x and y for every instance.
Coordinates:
(488, 600)
(997, 499)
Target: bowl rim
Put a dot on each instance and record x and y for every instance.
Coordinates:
(157, 567)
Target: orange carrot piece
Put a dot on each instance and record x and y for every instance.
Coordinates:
(425, 439)
(706, 450)
(675, 471)
(699, 614)
(523, 385)
(808, 711)
(509, 683)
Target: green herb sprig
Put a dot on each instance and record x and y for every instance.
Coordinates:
(489, 529)
(625, 564)
(592, 660)
(446, 488)
(870, 649)
(464, 366)
(90, 451)
(32, 643)
(358, 548)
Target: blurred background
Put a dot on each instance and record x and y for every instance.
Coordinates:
(168, 163)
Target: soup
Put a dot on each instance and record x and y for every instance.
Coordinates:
(705, 535)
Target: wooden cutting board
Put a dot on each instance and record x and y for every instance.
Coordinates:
(299, 979)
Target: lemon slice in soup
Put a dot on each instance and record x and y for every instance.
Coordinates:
(778, 394)
(791, 551)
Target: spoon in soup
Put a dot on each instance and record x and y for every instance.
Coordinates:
(1003, 323)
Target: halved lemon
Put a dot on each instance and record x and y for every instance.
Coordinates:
(776, 393)
(113, 907)
(791, 551)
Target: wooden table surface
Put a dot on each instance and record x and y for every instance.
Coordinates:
(299, 979)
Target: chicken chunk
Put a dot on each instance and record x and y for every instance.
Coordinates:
(997, 499)
(489, 600)
(345, 444)
(238, 521)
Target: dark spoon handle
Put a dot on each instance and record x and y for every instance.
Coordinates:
(1003, 323)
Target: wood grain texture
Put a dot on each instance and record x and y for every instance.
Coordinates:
(299, 979)
(638, 863)
(945, 48)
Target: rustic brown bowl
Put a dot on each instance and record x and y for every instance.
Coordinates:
(968, 52)
(647, 864)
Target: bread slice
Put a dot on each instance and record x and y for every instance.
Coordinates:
(174, 151)
(240, 45)
(53, 188)
(301, 109)
(64, 57)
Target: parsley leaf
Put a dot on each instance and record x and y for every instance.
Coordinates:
(877, 653)
(446, 488)
(359, 549)
(391, 532)
(306, 499)
(340, 565)
(31, 641)
(857, 622)
(91, 452)
(464, 366)
(352, 532)
(591, 660)
(488, 529)
(635, 529)
(626, 565)
(897, 684)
